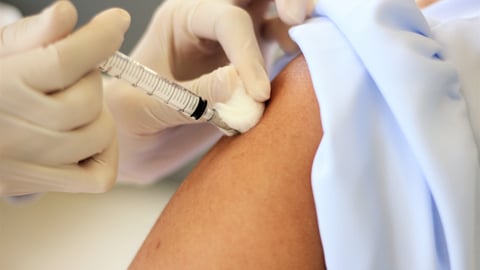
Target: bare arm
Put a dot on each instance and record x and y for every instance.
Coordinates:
(249, 204)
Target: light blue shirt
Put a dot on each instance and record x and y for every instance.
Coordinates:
(396, 178)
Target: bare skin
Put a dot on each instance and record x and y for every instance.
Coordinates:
(425, 3)
(249, 204)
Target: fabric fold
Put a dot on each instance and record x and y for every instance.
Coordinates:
(396, 177)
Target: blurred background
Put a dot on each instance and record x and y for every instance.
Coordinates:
(141, 11)
(80, 231)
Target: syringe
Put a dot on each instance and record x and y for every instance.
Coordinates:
(172, 94)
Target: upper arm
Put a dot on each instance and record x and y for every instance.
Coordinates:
(248, 204)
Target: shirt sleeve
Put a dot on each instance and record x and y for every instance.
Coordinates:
(396, 176)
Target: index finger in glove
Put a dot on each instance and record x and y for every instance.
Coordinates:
(294, 12)
(64, 62)
(38, 30)
(233, 28)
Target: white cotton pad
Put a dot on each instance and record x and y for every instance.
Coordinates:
(240, 112)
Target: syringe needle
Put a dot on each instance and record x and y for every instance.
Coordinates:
(171, 93)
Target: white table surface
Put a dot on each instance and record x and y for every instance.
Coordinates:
(80, 231)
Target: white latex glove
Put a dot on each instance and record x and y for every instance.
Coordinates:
(212, 47)
(56, 132)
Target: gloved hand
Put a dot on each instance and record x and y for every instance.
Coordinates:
(213, 48)
(57, 134)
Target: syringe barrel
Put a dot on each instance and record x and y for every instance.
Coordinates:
(172, 94)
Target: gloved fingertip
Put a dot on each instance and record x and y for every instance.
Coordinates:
(52, 24)
(57, 20)
(115, 16)
(61, 9)
(295, 12)
(259, 90)
(292, 15)
(124, 17)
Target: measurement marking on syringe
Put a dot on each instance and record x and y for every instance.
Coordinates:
(154, 89)
(174, 95)
(150, 80)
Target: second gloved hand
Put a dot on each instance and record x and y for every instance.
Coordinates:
(213, 48)
(57, 134)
